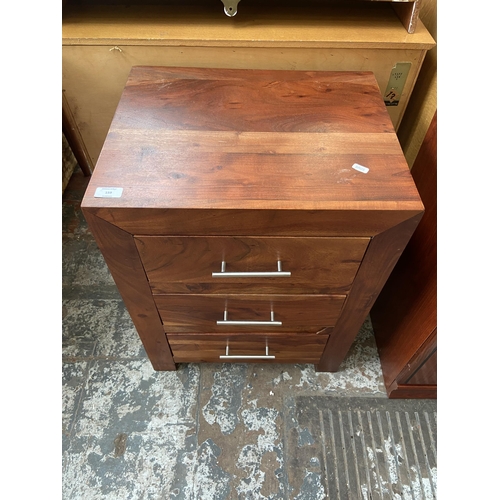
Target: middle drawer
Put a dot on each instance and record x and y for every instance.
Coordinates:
(250, 264)
(248, 313)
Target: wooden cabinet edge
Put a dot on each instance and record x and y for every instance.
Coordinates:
(312, 223)
(381, 256)
(121, 256)
(412, 391)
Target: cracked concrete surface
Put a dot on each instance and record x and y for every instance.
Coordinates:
(206, 431)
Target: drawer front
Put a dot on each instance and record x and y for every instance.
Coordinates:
(220, 348)
(253, 265)
(248, 313)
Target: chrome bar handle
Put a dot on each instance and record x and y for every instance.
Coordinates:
(225, 321)
(251, 356)
(251, 274)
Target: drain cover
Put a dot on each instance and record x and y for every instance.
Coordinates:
(362, 448)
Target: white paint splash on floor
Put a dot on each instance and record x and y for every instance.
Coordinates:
(251, 455)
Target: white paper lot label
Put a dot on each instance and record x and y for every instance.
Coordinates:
(360, 168)
(108, 192)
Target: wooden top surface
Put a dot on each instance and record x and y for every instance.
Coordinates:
(282, 23)
(252, 139)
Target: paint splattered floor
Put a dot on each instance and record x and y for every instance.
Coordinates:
(221, 431)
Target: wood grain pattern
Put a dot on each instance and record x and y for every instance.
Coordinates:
(122, 259)
(426, 374)
(290, 98)
(359, 222)
(297, 348)
(200, 313)
(186, 264)
(416, 358)
(231, 180)
(380, 258)
(176, 175)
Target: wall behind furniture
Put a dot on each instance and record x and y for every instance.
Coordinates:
(423, 101)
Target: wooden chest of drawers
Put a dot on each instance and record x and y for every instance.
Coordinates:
(250, 215)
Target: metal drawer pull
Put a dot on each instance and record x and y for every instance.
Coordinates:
(225, 321)
(263, 356)
(251, 274)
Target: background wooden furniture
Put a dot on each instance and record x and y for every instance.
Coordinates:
(251, 171)
(68, 162)
(407, 10)
(423, 103)
(404, 316)
(75, 141)
(101, 43)
(408, 13)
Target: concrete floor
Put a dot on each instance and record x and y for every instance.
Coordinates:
(206, 431)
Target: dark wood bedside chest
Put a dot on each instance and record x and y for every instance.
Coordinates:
(250, 215)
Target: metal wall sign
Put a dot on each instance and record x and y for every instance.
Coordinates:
(395, 86)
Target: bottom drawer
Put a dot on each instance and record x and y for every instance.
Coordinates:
(222, 348)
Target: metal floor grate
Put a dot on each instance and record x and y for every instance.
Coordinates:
(365, 448)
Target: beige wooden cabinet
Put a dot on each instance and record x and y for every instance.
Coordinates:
(100, 43)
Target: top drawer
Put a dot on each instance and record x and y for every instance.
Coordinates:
(254, 265)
